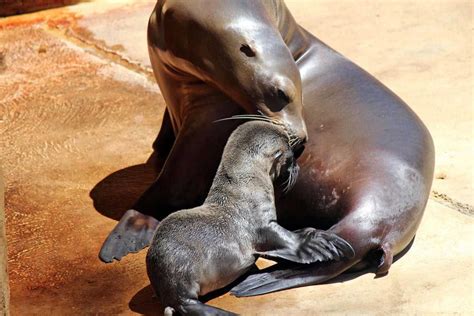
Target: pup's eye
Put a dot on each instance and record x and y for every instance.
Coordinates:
(277, 154)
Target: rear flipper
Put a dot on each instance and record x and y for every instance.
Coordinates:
(278, 280)
(196, 308)
(133, 232)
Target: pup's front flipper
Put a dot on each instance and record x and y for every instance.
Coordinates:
(303, 246)
(133, 232)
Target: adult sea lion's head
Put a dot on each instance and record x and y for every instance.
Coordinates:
(237, 47)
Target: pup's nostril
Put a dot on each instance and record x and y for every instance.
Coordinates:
(247, 50)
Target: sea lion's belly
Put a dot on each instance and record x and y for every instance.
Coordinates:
(228, 266)
(362, 138)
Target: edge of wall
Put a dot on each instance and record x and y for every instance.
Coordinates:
(4, 288)
(14, 7)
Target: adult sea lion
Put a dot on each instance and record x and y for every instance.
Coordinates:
(209, 66)
(236, 223)
(368, 166)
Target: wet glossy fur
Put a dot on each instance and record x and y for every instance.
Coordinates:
(199, 250)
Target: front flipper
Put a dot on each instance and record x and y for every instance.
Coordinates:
(133, 232)
(303, 246)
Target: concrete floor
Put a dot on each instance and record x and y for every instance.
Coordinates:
(79, 109)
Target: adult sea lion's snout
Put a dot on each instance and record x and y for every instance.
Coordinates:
(260, 73)
(293, 123)
(282, 101)
(296, 128)
(281, 95)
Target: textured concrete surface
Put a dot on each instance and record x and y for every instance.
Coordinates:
(79, 111)
(4, 286)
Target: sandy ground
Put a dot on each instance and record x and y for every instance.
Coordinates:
(79, 110)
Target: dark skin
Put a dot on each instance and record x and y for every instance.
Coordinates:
(368, 165)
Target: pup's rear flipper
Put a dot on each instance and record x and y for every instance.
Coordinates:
(133, 232)
(196, 308)
(268, 282)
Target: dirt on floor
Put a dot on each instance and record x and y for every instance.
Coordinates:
(79, 110)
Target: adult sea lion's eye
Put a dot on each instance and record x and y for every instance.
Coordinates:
(247, 50)
(283, 96)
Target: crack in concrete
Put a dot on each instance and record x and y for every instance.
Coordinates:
(68, 34)
(442, 198)
(136, 66)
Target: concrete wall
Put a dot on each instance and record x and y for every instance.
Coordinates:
(4, 289)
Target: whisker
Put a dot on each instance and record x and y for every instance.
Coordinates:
(255, 117)
(248, 115)
(252, 117)
(291, 180)
(241, 118)
(251, 114)
(293, 142)
(287, 187)
(287, 183)
(295, 176)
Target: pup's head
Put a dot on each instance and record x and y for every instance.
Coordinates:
(268, 147)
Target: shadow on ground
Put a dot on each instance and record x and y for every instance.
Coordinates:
(118, 192)
(145, 302)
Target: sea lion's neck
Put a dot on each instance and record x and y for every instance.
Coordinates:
(242, 186)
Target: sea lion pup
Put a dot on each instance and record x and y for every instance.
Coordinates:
(202, 249)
